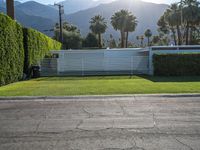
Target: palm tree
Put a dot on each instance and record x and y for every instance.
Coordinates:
(98, 26)
(119, 22)
(142, 40)
(148, 34)
(138, 38)
(130, 26)
(10, 8)
(174, 20)
(191, 17)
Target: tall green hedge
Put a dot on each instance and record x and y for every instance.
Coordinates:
(36, 46)
(176, 64)
(11, 50)
(20, 48)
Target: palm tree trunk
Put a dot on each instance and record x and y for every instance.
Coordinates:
(127, 34)
(174, 36)
(179, 35)
(100, 46)
(148, 41)
(122, 39)
(10, 8)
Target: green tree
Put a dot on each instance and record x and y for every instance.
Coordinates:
(71, 36)
(191, 17)
(112, 42)
(148, 34)
(125, 22)
(98, 26)
(182, 20)
(130, 25)
(90, 40)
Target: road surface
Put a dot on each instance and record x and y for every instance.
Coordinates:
(101, 123)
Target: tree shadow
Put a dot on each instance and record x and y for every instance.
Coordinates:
(115, 77)
(172, 78)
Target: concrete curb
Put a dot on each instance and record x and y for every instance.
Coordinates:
(96, 96)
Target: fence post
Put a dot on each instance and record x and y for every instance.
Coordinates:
(82, 68)
(150, 61)
(131, 65)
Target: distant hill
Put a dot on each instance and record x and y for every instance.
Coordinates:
(72, 6)
(33, 8)
(3, 4)
(36, 22)
(43, 17)
(146, 13)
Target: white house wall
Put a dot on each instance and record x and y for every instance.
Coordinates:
(127, 61)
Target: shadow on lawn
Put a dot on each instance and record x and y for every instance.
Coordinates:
(172, 78)
(100, 77)
(142, 77)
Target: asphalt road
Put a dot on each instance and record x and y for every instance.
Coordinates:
(107, 123)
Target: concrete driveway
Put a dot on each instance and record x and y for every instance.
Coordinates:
(101, 123)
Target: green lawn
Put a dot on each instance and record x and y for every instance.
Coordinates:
(64, 86)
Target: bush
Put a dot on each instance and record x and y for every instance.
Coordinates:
(176, 64)
(20, 48)
(11, 50)
(36, 46)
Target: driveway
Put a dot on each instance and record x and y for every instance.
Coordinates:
(165, 122)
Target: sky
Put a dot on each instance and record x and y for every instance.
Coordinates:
(154, 1)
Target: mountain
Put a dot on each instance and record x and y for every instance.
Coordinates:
(3, 3)
(39, 23)
(147, 15)
(43, 17)
(33, 8)
(72, 6)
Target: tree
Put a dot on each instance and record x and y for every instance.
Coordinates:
(71, 36)
(148, 34)
(72, 40)
(191, 17)
(98, 26)
(130, 26)
(124, 21)
(182, 20)
(112, 42)
(90, 40)
(142, 40)
(138, 39)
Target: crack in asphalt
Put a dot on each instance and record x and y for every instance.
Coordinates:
(90, 115)
(184, 144)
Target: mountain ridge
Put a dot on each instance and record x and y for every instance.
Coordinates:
(43, 17)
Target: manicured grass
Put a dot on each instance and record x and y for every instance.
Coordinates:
(64, 86)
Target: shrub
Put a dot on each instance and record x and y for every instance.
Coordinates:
(176, 64)
(20, 48)
(36, 46)
(11, 50)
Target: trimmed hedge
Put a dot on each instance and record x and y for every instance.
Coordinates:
(176, 64)
(20, 48)
(11, 50)
(36, 46)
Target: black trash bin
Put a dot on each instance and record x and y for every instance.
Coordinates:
(36, 71)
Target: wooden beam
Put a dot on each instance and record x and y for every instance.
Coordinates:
(10, 8)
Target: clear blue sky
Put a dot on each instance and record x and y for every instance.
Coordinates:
(52, 1)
